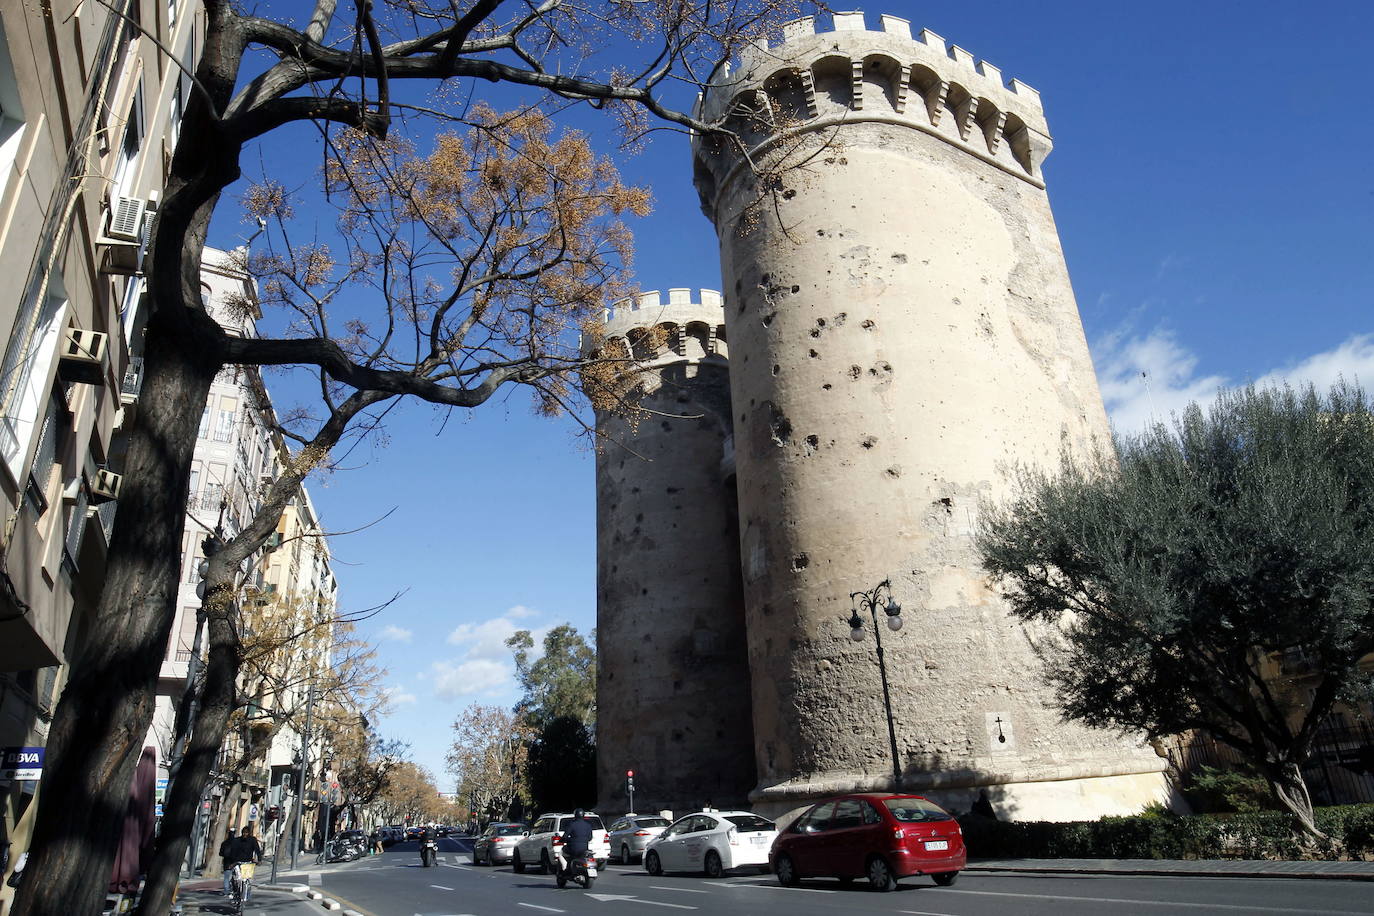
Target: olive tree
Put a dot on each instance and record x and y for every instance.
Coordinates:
(1177, 567)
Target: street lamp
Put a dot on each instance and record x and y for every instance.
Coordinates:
(871, 601)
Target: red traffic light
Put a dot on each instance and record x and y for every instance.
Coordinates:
(630, 773)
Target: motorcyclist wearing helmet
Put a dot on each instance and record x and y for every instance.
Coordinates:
(577, 838)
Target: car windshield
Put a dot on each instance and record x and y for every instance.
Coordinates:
(749, 822)
(914, 810)
(651, 822)
(510, 830)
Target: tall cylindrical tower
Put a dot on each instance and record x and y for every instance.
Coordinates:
(904, 335)
(673, 701)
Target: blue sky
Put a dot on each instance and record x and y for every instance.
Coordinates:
(1210, 184)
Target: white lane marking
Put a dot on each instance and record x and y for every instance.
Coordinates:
(441, 887)
(314, 878)
(463, 867)
(535, 906)
(779, 887)
(1249, 908)
(639, 900)
(685, 890)
(923, 913)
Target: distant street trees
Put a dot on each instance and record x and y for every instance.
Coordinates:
(1178, 569)
(488, 760)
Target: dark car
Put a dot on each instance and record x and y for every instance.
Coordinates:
(497, 843)
(878, 836)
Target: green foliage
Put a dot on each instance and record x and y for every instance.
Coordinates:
(561, 682)
(1178, 567)
(1215, 789)
(1349, 832)
(562, 766)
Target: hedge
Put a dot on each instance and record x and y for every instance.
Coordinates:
(1264, 835)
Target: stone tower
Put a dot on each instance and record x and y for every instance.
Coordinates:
(904, 333)
(673, 698)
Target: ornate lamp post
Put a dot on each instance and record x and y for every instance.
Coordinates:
(871, 601)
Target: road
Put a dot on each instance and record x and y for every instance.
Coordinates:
(395, 884)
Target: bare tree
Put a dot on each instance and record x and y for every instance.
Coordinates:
(488, 759)
(333, 74)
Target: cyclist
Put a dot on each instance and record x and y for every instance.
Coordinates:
(246, 850)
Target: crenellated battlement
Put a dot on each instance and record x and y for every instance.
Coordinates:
(811, 79)
(695, 325)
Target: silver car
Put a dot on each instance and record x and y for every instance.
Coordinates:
(629, 834)
(497, 843)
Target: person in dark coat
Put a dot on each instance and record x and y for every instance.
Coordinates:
(224, 849)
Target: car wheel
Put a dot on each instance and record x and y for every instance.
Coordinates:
(786, 871)
(879, 875)
(652, 865)
(625, 858)
(714, 868)
(946, 878)
(544, 862)
(517, 863)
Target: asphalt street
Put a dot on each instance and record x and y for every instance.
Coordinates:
(395, 884)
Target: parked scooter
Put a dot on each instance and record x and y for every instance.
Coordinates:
(579, 868)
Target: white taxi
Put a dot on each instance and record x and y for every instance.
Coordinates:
(712, 842)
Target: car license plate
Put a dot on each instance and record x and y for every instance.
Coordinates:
(758, 840)
(933, 845)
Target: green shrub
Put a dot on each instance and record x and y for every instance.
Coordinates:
(1252, 835)
(1238, 790)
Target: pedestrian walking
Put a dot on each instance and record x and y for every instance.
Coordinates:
(225, 851)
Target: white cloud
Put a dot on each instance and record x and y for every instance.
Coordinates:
(1147, 379)
(1353, 360)
(478, 677)
(486, 639)
(1150, 378)
(399, 634)
(399, 696)
(520, 612)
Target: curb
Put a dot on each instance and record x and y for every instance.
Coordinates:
(1172, 872)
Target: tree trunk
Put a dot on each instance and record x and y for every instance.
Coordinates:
(102, 720)
(1290, 789)
(207, 735)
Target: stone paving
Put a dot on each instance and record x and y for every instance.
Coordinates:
(1234, 868)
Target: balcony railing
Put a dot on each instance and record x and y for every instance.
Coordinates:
(133, 377)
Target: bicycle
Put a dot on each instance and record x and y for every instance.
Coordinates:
(240, 885)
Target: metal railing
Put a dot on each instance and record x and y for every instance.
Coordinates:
(1340, 770)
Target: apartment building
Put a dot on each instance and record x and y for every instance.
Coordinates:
(90, 106)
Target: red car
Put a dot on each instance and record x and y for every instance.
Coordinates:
(875, 835)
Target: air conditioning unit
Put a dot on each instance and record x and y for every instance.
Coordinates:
(106, 486)
(125, 240)
(81, 357)
(126, 220)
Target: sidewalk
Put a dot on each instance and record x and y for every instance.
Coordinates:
(1202, 868)
(275, 901)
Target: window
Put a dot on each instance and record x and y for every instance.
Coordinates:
(871, 815)
(815, 819)
(750, 822)
(848, 813)
(181, 94)
(224, 421)
(131, 144)
(32, 365)
(915, 810)
(11, 112)
(205, 422)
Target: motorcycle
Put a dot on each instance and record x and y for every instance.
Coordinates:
(579, 868)
(429, 849)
